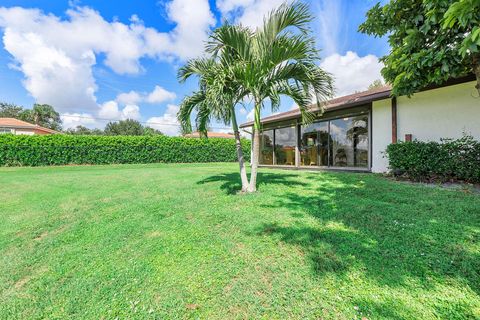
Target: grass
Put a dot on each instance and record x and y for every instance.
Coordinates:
(175, 241)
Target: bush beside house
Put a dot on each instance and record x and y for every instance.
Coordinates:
(446, 160)
(65, 149)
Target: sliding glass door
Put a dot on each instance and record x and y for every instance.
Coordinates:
(277, 146)
(266, 147)
(285, 143)
(335, 143)
(342, 142)
(314, 144)
(349, 147)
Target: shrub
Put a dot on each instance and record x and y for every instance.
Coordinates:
(446, 160)
(23, 150)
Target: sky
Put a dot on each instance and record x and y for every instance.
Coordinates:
(97, 61)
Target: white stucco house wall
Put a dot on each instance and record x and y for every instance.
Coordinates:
(447, 111)
(19, 127)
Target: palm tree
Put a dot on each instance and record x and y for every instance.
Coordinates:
(216, 98)
(278, 58)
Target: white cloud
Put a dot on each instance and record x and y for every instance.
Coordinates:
(168, 123)
(328, 24)
(351, 72)
(131, 97)
(56, 54)
(251, 115)
(72, 120)
(227, 6)
(51, 75)
(159, 95)
(110, 110)
(247, 12)
(107, 111)
(193, 21)
(131, 112)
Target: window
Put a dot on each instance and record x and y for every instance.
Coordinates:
(334, 143)
(314, 144)
(285, 142)
(349, 147)
(277, 146)
(5, 130)
(266, 147)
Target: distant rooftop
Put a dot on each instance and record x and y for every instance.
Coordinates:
(20, 124)
(210, 135)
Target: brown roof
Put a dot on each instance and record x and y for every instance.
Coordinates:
(356, 99)
(343, 102)
(19, 124)
(210, 135)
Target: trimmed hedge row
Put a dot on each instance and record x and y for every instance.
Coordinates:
(23, 150)
(446, 160)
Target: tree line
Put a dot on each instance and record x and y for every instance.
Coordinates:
(46, 116)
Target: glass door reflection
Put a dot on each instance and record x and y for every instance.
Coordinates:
(314, 144)
(309, 149)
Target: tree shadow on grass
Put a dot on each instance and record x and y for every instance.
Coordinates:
(320, 252)
(231, 183)
(393, 309)
(394, 233)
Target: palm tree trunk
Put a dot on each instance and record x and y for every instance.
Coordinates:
(241, 160)
(256, 149)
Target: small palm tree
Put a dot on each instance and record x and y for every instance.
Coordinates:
(216, 98)
(278, 58)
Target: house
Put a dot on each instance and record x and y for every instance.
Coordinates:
(355, 130)
(196, 134)
(15, 126)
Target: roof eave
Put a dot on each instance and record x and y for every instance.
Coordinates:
(364, 100)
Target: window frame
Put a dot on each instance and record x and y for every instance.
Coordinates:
(365, 110)
(3, 130)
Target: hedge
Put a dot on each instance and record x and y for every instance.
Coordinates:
(23, 150)
(444, 161)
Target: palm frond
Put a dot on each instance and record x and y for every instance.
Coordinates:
(188, 105)
(199, 67)
(300, 96)
(202, 119)
(231, 41)
(294, 15)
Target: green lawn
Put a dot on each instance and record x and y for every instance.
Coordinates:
(175, 241)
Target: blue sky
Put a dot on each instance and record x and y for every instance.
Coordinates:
(97, 60)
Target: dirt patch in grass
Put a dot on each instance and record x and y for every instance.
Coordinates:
(41, 236)
(34, 274)
(45, 234)
(450, 185)
(153, 234)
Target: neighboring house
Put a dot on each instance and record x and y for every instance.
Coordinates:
(355, 130)
(196, 134)
(15, 126)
